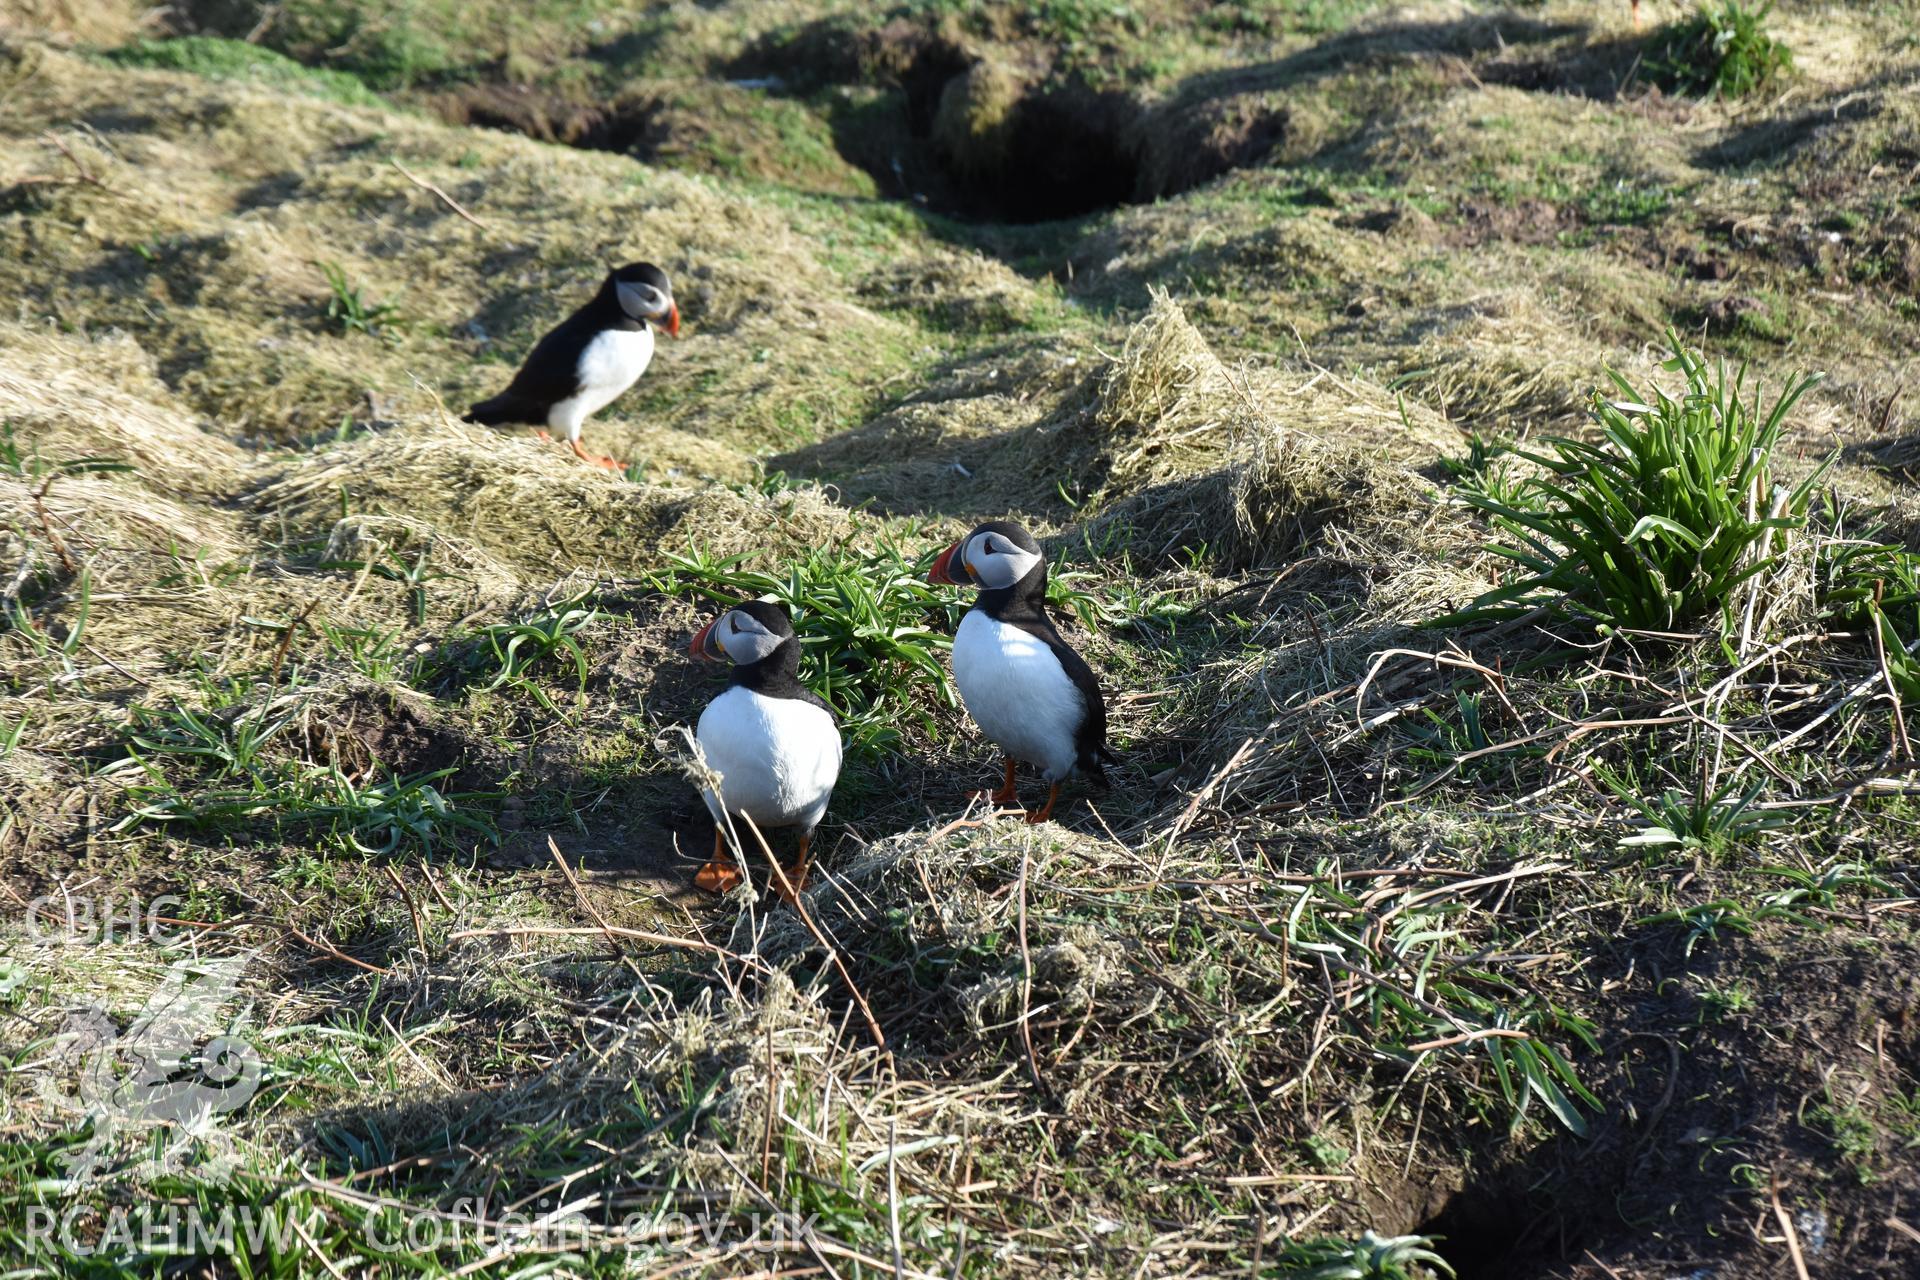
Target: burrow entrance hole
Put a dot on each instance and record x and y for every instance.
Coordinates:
(985, 136)
(985, 143)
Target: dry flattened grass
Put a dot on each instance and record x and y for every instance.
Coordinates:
(956, 291)
(70, 397)
(530, 506)
(107, 522)
(1173, 242)
(1250, 464)
(1166, 407)
(94, 22)
(1162, 440)
(1503, 361)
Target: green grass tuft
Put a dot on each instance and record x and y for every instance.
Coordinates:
(1371, 1257)
(1722, 51)
(502, 653)
(219, 59)
(1657, 526)
(354, 313)
(216, 775)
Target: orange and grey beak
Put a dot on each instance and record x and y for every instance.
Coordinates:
(703, 644)
(672, 326)
(943, 570)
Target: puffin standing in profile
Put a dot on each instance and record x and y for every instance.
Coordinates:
(589, 360)
(772, 741)
(1026, 689)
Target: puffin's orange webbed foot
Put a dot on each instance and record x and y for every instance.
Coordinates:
(600, 460)
(1045, 811)
(721, 874)
(795, 882)
(1006, 797)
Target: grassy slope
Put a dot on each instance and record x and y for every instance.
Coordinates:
(1228, 967)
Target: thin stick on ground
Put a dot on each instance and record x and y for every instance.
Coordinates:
(433, 883)
(413, 908)
(1494, 680)
(833, 952)
(617, 931)
(1201, 796)
(293, 1220)
(1026, 975)
(773, 1106)
(1786, 1226)
(1484, 1033)
(1886, 675)
(586, 905)
(446, 199)
(286, 643)
(336, 953)
(893, 1198)
(86, 175)
(46, 526)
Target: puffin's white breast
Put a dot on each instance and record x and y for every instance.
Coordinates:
(778, 758)
(1018, 693)
(609, 364)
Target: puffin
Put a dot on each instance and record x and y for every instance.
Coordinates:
(1023, 685)
(589, 359)
(774, 743)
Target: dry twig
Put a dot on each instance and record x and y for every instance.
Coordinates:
(1786, 1226)
(446, 199)
(833, 952)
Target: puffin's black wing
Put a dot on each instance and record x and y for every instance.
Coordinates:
(1090, 739)
(550, 374)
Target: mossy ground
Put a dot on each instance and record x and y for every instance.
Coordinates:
(1267, 994)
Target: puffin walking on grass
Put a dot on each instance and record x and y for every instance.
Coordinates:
(1026, 689)
(589, 360)
(774, 744)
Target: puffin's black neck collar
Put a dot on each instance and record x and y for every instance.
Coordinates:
(1025, 598)
(777, 675)
(611, 314)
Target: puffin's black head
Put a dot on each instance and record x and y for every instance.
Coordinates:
(743, 635)
(644, 294)
(995, 556)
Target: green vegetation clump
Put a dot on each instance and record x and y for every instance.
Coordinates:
(231, 775)
(1657, 526)
(354, 313)
(1723, 51)
(217, 58)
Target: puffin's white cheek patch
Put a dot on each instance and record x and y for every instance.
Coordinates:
(749, 642)
(637, 299)
(998, 568)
